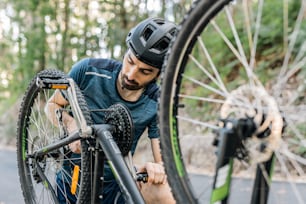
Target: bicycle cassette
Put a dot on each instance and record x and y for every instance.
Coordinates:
(119, 116)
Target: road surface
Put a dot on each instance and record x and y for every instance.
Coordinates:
(10, 192)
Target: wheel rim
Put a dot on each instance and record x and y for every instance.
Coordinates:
(241, 31)
(38, 132)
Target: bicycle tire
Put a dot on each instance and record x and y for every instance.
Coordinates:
(34, 129)
(177, 67)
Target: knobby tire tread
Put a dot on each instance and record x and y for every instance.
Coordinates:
(194, 22)
(23, 121)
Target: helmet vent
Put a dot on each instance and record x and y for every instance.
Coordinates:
(173, 32)
(161, 45)
(147, 33)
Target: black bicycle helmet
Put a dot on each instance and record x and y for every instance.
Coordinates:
(150, 39)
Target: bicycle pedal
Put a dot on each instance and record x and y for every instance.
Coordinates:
(49, 83)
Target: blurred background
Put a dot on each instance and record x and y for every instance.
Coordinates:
(43, 34)
(40, 34)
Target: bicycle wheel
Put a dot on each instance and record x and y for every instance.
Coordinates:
(43, 178)
(244, 59)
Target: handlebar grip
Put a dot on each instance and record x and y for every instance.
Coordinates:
(143, 177)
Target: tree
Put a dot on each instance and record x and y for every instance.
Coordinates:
(45, 34)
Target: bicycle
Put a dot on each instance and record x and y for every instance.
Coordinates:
(43, 152)
(227, 93)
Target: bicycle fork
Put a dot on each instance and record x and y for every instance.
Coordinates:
(229, 146)
(224, 167)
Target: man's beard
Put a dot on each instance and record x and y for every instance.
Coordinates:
(133, 85)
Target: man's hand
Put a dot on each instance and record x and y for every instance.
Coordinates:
(156, 172)
(75, 146)
(157, 189)
(56, 102)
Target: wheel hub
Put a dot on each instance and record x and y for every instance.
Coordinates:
(254, 102)
(119, 116)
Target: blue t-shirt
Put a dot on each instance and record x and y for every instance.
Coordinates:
(97, 80)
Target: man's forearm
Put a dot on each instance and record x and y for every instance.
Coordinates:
(52, 110)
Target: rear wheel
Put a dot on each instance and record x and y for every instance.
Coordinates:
(48, 178)
(237, 60)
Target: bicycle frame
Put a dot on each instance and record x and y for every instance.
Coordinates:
(112, 152)
(103, 135)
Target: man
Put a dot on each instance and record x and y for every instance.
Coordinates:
(133, 83)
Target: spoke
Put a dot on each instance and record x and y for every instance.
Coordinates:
(242, 60)
(198, 122)
(295, 164)
(289, 112)
(301, 54)
(201, 67)
(236, 36)
(58, 130)
(205, 86)
(293, 38)
(202, 98)
(289, 177)
(285, 151)
(212, 65)
(295, 130)
(64, 190)
(255, 38)
(291, 45)
(285, 24)
(248, 24)
(38, 105)
(41, 132)
(295, 69)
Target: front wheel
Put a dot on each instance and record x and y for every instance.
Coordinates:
(239, 60)
(48, 178)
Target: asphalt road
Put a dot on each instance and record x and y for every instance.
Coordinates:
(241, 191)
(10, 192)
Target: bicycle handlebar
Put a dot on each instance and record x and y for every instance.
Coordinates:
(142, 177)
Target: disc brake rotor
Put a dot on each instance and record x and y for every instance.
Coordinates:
(119, 116)
(254, 102)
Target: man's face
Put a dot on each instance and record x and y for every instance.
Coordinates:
(136, 74)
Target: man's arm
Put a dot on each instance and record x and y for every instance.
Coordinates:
(156, 150)
(155, 170)
(157, 190)
(56, 102)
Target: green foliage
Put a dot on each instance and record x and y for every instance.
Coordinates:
(57, 33)
(44, 34)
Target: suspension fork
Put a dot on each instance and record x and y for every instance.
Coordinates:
(224, 166)
(229, 139)
(262, 182)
